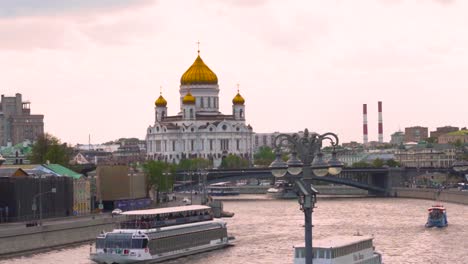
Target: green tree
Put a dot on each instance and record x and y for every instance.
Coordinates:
(49, 148)
(194, 164)
(234, 162)
(264, 156)
(378, 163)
(392, 163)
(361, 164)
(160, 176)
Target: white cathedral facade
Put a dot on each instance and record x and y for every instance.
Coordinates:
(199, 130)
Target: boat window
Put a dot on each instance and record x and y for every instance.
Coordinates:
(100, 243)
(321, 254)
(300, 253)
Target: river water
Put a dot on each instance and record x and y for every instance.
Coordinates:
(266, 231)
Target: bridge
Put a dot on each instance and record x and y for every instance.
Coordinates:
(377, 181)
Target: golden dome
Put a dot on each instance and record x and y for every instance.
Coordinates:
(188, 99)
(199, 73)
(238, 99)
(161, 101)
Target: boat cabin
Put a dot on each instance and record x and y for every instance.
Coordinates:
(340, 250)
(161, 217)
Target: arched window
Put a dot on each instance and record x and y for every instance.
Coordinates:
(185, 114)
(241, 113)
(163, 114)
(191, 113)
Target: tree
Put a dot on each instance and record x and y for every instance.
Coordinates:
(392, 163)
(378, 163)
(159, 175)
(264, 156)
(194, 164)
(234, 162)
(49, 148)
(361, 164)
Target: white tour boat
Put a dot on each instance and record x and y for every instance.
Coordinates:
(355, 249)
(156, 235)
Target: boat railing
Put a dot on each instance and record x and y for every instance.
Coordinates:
(144, 223)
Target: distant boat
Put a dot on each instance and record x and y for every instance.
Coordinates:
(222, 189)
(437, 216)
(282, 190)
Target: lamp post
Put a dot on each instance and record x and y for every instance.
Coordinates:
(53, 190)
(308, 149)
(203, 173)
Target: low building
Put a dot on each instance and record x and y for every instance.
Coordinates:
(427, 156)
(443, 130)
(460, 136)
(397, 138)
(268, 139)
(81, 187)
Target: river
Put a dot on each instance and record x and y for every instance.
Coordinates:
(266, 231)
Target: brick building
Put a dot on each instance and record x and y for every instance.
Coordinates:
(416, 134)
(453, 137)
(443, 130)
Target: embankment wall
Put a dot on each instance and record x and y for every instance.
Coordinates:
(18, 240)
(451, 196)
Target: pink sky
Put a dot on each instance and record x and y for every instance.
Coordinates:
(95, 67)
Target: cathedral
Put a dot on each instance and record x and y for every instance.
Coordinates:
(199, 130)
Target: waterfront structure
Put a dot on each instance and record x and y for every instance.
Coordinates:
(427, 156)
(460, 136)
(17, 124)
(443, 130)
(416, 134)
(199, 130)
(156, 235)
(349, 157)
(397, 138)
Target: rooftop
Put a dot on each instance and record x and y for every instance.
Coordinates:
(338, 241)
(458, 133)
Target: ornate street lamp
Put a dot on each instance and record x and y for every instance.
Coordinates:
(310, 161)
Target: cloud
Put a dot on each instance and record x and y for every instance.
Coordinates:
(54, 25)
(25, 8)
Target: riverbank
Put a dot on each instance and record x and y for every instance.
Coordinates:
(451, 196)
(18, 240)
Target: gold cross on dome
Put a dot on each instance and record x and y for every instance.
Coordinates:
(238, 84)
(198, 44)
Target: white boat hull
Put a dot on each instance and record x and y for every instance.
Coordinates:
(109, 258)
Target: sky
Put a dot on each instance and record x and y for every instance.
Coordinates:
(96, 67)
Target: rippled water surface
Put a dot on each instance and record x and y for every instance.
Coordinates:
(266, 231)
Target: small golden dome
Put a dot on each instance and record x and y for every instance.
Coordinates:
(188, 99)
(199, 73)
(238, 99)
(161, 102)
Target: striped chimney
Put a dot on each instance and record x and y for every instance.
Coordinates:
(380, 123)
(364, 120)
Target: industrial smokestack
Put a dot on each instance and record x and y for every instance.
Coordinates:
(380, 123)
(365, 139)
